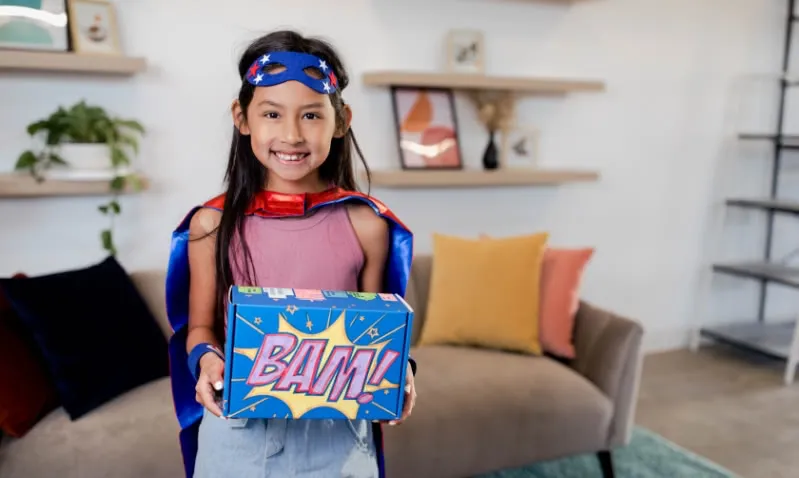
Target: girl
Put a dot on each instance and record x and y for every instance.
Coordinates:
(291, 217)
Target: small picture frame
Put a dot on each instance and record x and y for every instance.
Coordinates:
(427, 128)
(519, 147)
(465, 51)
(93, 27)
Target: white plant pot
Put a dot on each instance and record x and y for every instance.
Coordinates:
(84, 161)
(86, 156)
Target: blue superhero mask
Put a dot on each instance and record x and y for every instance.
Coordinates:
(296, 64)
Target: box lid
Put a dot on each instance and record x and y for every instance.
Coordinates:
(316, 298)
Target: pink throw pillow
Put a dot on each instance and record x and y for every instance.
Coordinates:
(561, 276)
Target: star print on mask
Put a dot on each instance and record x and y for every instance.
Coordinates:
(295, 65)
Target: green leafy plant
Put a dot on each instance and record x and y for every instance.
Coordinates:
(85, 124)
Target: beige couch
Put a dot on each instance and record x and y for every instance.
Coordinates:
(477, 410)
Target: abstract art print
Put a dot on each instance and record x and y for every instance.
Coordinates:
(93, 27)
(34, 25)
(427, 129)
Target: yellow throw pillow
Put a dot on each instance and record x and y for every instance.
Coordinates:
(484, 292)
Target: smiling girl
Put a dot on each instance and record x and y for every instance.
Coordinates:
(291, 217)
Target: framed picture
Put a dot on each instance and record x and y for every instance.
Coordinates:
(465, 51)
(34, 25)
(93, 27)
(427, 129)
(519, 147)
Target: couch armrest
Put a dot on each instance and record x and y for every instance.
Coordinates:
(608, 353)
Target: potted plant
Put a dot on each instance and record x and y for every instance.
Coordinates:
(86, 138)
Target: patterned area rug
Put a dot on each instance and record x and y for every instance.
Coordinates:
(647, 456)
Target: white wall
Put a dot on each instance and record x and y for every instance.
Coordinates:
(658, 134)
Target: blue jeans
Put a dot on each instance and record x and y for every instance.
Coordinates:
(256, 448)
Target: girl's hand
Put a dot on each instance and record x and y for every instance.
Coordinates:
(209, 384)
(410, 397)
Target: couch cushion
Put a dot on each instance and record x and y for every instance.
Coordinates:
(29, 392)
(485, 292)
(133, 436)
(150, 284)
(483, 410)
(416, 293)
(94, 331)
(561, 277)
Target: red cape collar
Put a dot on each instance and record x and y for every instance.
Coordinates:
(275, 204)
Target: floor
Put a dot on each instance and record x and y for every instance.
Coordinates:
(726, 405)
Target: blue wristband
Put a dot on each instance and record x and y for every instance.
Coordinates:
(196, 353)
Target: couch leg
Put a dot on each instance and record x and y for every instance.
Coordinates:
(606, 463)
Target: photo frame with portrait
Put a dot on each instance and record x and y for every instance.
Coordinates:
(93, 27)
(427, 128)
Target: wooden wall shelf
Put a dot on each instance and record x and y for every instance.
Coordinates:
(22, 185)
(478, 178)
(53, 62)
(481, 82)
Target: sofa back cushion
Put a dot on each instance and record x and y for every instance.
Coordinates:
(151, 285)
(418, 292)
(28, 390)
(485, 293)
(561, 276)
(97, 336)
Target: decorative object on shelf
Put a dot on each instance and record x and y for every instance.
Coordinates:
(490, 156)
(34, 25)
(495, 111)
(519, 146)
(427, 129)
(93, 27)
(83, 128)
(466, 51)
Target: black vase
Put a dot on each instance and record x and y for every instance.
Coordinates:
(490, 160)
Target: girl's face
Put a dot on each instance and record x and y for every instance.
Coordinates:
(290, 127)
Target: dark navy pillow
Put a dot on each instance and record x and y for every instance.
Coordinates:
(95, 332)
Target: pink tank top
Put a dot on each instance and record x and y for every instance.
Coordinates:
(319, 251)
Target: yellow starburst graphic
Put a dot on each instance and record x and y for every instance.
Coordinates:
(323, 369)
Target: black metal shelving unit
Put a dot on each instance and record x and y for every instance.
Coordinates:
(775, 340)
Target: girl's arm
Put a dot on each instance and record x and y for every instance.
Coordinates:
(202, 288)
(372, 232)
(206, 362)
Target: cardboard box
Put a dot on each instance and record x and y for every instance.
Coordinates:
(297, 353)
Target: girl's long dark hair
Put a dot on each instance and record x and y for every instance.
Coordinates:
(245, 175)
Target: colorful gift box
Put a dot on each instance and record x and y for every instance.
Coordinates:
(297, 353)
